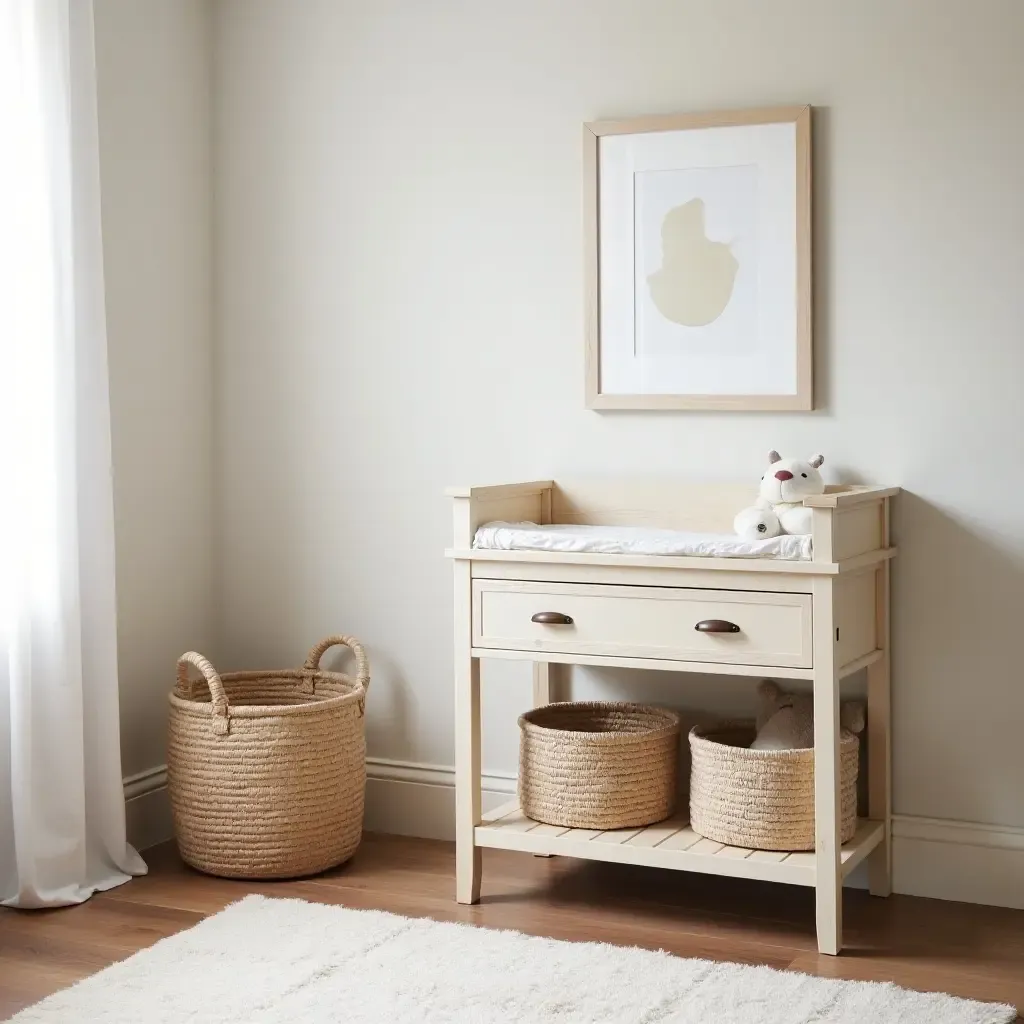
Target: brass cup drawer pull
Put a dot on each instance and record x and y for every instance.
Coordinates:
(716, 626)
(552, 619)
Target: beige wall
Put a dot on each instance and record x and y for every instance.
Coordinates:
(398, 250)
(153, 65)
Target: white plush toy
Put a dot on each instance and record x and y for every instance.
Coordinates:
(779, 507)
(785, 721)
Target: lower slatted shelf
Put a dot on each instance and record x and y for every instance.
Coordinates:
(668, 844)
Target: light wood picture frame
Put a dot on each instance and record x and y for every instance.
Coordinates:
(697, 261)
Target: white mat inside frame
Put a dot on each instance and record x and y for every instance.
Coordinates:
(269, 961)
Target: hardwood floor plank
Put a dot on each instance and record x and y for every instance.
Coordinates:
(973, 951)
(43, 951)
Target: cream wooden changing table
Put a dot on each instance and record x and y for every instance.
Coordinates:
(819, 620)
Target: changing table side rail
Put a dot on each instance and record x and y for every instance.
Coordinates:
(844, 531)
(510, 503)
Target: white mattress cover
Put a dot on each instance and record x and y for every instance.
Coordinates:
(635, 540)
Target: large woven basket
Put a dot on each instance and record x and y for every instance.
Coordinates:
(598, 765)
(761, 799)
(267, 770)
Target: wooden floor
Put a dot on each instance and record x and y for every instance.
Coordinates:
(923, 944)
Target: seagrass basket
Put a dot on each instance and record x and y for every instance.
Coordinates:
(598, 765)
(267, 770)
(761, 799)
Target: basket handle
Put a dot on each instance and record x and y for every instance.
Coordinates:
(362, 663)
(218, 698)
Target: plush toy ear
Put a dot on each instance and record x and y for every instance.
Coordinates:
(851, 716)
(774, 456)
(817, 461)
(768, 695)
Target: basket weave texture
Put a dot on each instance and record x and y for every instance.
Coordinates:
(267, 770)
(598, 765)
(761, 799)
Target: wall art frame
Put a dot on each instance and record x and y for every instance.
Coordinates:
(697, 261)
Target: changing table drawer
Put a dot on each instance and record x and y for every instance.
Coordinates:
(728, 626)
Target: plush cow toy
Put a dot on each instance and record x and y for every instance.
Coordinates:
(779, 507)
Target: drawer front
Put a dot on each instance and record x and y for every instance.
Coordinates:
(644, 622)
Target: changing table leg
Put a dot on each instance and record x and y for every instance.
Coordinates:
(545, 683)
(467, 744)
(827, 791)
(880, 743)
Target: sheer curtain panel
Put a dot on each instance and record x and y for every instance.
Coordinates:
(62, 826)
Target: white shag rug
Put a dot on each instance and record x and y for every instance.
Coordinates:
(270, 961)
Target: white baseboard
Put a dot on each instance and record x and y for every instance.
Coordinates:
(402, 797)
(963, 861)
(147, 809)
(959, 860)
(409, 799)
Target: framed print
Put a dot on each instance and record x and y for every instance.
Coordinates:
(697, 242)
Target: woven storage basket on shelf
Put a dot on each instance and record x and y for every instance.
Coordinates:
(761, 799)
(267, 770)
(598, 765)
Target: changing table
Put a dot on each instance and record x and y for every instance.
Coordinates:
(821, 619)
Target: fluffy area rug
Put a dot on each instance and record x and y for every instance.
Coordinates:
(270, 961)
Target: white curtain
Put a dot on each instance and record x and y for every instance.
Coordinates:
(62, 829)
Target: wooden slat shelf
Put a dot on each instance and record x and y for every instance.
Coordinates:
(668, 844)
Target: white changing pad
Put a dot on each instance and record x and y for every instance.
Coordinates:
(635, 540)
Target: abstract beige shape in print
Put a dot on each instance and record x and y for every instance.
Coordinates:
(696, 278)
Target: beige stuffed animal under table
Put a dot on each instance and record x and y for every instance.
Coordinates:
(779, 507)
(785, 721)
